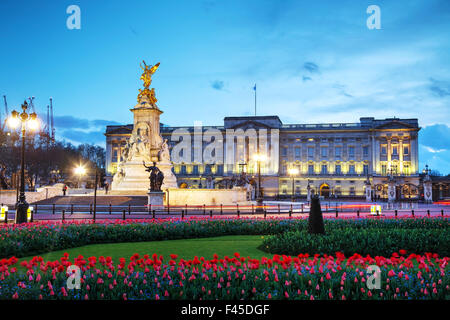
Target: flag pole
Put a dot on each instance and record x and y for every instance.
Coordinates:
(255, 99)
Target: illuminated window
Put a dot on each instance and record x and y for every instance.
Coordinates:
(406, 169)
(383, 170)
(383, 150)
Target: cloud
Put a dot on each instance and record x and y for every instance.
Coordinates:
(434, 142)
(79, 130)
(432, 150)
(217, 84)
(341, 89)
(440, 88)
(436, 137)
(79, 136)
(311, 67)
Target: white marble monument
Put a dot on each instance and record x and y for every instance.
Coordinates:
(145, 144)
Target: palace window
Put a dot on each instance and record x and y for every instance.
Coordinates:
(284, 152)
(351, 169)
(324, 151)
(352, 191)
(338, 169)
(394, 150)
(383, 150)
(219, 170)
(365, 151)
(311, 169)
(383, 170)
(195, 170)
(297, 153)
(338, 151)
(365, 169)
(115, 154)
(207, 169)
(406, 169)
(351, 151)
(183, 169)
(406, 150)
(324, 169)
(310, 152)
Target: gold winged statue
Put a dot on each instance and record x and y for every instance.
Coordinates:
(146, 77)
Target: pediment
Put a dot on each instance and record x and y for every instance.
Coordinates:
(120, 130)
(395, 124)
(250, 124)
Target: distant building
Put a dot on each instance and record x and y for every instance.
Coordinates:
(335, 159)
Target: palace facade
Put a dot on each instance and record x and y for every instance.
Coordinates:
(333, 159)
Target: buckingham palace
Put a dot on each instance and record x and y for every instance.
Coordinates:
(329, 159)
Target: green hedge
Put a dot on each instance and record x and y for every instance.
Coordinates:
(36, 238)
(371, 241)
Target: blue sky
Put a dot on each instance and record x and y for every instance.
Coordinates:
(313, 61)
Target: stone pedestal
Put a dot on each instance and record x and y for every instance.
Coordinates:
(155, 198)
(391, 192)
(170, 181)
(369, 193)
(428, 192)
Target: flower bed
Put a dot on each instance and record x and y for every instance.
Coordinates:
(282, 277)
(39, 237)
(371, 241)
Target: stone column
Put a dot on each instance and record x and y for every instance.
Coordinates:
(400, 154)
(389, 153)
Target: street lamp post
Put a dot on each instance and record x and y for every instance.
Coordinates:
(25, 120)
(293, 172)
(259, 200)
(79, 171)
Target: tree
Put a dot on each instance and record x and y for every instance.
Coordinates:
(315, 221)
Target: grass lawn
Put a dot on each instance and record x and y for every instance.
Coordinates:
(246, 245)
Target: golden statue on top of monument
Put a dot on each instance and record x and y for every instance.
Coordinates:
(146, 77)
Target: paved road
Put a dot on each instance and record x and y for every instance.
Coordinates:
(49, 216)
